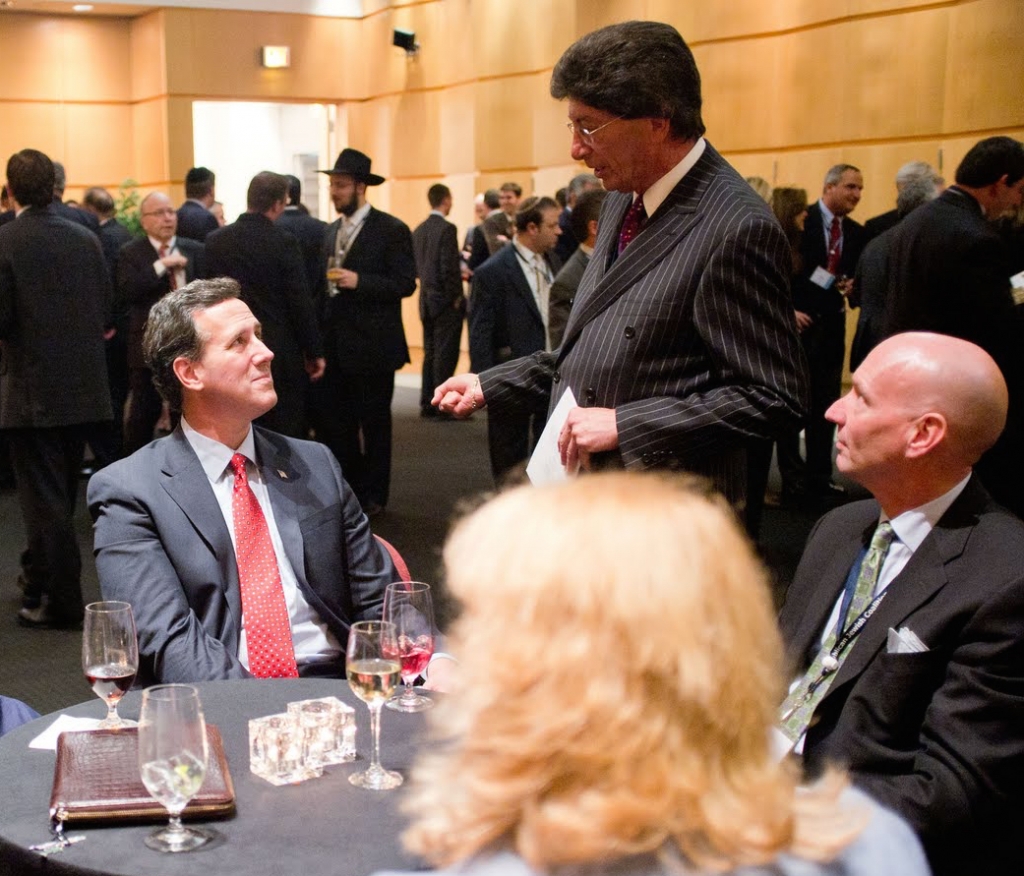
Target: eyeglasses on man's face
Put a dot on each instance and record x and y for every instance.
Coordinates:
(166, 211)
(587, 134)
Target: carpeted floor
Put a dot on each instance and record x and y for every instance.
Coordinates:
(438, 468)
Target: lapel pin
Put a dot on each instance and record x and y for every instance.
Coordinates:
(282, 474)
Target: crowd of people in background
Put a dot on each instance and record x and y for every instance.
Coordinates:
(699, 320)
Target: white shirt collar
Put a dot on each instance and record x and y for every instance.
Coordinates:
(215, 457)
(912, 527)
(358, 217)
(171, 244)
(656, 193)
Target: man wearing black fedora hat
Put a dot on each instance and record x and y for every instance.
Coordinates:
(369, 268)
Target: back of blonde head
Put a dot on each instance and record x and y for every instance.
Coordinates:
(620, 673)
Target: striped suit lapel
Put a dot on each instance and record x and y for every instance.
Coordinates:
(672, 221)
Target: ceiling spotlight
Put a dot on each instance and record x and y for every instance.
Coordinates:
(406, 39)
(82, 7)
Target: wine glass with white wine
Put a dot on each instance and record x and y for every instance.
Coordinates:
(110, 655)
(407, 605)
(373, 678)
(173, 754)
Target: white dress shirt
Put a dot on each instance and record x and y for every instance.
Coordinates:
(312, 639)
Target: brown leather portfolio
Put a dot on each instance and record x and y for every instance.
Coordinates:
(96, 778)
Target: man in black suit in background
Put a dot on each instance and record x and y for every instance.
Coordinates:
(442, 301)
(150, 267)
(583, 221)
(373, 270)
(911, 172)
(267, 263)
(830, 247)
(67, 211)
(107, 444)
(54, 297)
(922, 705)
(307, 230)
(950, 273)
(195, 220)
(508, 318)
(871, 283)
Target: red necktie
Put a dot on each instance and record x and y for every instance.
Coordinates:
(632, 224)
(835, 249)
(170, 272)
(268, 633)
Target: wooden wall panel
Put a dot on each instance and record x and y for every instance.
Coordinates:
(62, 58)
(985, 66)
(457, 129)
(32, 126)
(148, 54)
(99, 144)
(215, 53)
(509, 41)
(150, 166)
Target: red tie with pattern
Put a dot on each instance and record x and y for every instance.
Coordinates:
(170, 271)
(835, 249)
(633, 223)
(268, 633)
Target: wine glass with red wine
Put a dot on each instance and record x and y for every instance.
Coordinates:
(110, 655)
(407, 605)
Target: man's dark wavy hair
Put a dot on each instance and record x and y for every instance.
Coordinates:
(636, 69)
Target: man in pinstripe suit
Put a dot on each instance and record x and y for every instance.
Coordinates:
(681, 347)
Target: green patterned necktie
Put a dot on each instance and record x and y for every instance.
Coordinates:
(799, 706)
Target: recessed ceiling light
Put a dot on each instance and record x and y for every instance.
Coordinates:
(82, 7)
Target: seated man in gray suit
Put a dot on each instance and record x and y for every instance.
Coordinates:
(918, 690)
(243, 552)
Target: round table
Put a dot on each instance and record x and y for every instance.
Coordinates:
(322, 826)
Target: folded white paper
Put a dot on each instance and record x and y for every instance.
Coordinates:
(545, 466)
(47, 740)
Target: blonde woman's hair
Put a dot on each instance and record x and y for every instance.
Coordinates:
(621, 668)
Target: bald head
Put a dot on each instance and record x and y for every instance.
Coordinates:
(955, 378)
(922, 410)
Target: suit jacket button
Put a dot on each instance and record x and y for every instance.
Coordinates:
(589, 396)
(556, 377)
(630, 332)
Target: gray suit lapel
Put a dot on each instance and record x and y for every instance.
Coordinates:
(186, 483)
(520, 284)
(282, 480)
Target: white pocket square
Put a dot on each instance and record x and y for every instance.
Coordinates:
(904, 642)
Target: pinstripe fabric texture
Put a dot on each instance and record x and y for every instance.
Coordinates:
(689, 334)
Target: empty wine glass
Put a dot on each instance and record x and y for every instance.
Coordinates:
(373, 676)
(407, 605)
(173, 754)
(110, 655)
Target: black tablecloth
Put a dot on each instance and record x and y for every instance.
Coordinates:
(323, 826)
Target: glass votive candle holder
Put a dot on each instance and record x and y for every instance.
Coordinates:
(337, 743)
(276, 750)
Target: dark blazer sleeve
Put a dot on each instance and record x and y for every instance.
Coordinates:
(486, 332)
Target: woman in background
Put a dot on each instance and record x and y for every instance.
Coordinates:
(790, 207)
(621, 673)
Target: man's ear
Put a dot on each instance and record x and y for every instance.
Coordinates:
(187, 373)
(928, 432)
